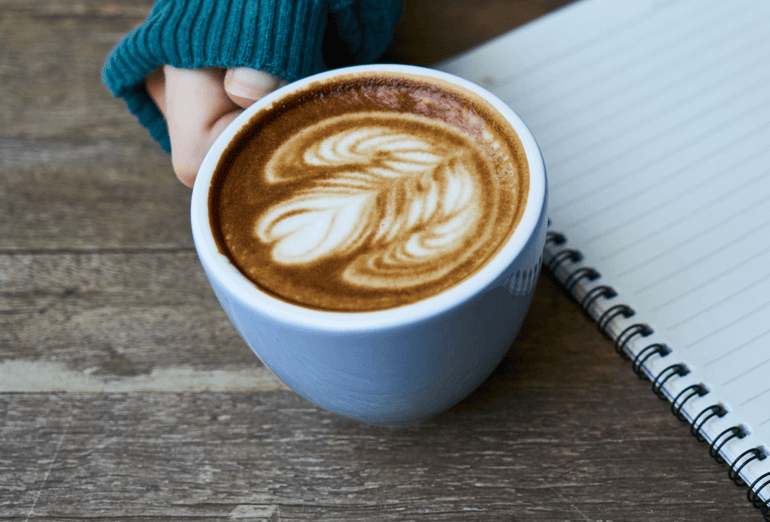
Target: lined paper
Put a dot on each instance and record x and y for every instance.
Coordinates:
(654, 121)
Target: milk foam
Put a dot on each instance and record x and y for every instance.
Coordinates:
(368, 192)
(402, 206)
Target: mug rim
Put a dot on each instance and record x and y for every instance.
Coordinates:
(217, 265)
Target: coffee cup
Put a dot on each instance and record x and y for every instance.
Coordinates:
(384, 260)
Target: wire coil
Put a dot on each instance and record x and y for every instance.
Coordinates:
(611, 313)
(626, 335)
(554, 237)
(715, 410)
(571, 282)
(723, 438)
(734, 472)
(581, 273)
(647, 352)
(595, 293)
(562, 257)
(691, 391)
(754, 491)
(666, 374)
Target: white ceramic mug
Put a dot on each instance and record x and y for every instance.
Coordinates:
(398, 366)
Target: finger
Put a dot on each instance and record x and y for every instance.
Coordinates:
(155, 84)
(197, 111)
(245, 85)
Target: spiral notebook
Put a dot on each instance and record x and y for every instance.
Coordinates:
(654, 120)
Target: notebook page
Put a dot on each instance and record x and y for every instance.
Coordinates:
(654, 120)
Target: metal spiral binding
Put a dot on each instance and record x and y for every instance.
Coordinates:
(740, 462)
(647, 352)
(611, 313)
(661, 378)
(667, 373)
(554, 237)
(594, 294)
(569, 253)
(726, 436)
(753, 495)
(734, 472)
(626, 335)
(581, 273)
(715, 410)
(691, 391)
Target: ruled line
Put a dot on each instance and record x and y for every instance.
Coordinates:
(702, 258)
(692, 213)
(640, 33)
(675, 197)
(756, 397)
(725, 326)
(651, 55)
(702, 114)
(703, 284)
(707, 230)
(721, 301)
(550, 140)
(596, 40)
(743, 374)
(737, 348)
(687, 189)
(678, 64)
(553, 60)
(663, 134)
(656, 183)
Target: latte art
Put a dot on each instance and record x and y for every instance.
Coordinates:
(368, 192)
(401, 208)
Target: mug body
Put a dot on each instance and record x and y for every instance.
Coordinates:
(396, 366)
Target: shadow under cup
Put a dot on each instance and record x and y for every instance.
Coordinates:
(397, 366)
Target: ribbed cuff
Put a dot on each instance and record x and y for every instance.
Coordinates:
(281, 37)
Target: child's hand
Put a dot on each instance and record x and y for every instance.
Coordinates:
(199, 103)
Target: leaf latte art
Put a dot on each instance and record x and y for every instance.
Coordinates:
(401, 199)
(368, 192)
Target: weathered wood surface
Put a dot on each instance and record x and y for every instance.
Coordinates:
(126, 394)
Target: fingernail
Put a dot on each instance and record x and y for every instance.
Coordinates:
(249, 83)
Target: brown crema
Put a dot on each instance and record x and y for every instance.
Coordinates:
(367, 192)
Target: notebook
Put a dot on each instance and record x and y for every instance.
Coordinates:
(654, 121)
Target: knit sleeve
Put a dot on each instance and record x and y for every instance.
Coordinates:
(288, 38)
(282, 37)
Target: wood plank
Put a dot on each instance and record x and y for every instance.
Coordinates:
(79, 321)
(561, 430)
(514, 454)
(77, 169)
(89, 194)
(110, 320)
(431, 31)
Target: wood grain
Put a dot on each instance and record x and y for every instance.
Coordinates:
(205, 456)
(125, 393)
(77, 172)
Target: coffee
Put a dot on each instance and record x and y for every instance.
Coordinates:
(368, 192)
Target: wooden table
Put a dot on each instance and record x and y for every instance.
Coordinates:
(126, 394)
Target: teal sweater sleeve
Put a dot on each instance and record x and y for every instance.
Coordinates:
(289, 38)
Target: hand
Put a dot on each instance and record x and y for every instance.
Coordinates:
(199, 103)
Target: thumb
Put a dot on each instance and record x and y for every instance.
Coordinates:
(245, 85)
